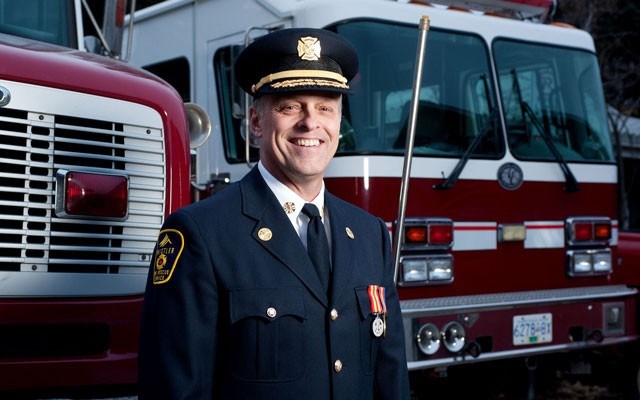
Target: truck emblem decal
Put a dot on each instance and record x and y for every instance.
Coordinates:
(309, 48)
(510, 176)
(5, 96)
(167, 254)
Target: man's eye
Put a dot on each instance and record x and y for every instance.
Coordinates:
(288, 108)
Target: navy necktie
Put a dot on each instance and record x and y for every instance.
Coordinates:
(317, 243)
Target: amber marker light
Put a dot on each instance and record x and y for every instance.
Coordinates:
(416, 234)
(602, 231)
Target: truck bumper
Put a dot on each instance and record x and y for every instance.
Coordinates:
(53, 343)
(489, 326)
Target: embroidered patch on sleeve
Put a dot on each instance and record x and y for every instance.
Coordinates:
(168, 251)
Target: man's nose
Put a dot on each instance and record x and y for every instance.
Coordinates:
(309, 120)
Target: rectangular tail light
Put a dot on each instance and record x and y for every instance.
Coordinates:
(91, 195)
(441, 233)
(427, 233)
(588, 230)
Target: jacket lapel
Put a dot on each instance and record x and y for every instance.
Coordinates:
(274, 232)
(342, 247)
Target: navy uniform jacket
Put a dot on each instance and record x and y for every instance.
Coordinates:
(238, 311)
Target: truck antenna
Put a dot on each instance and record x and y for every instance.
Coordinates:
(423, 28)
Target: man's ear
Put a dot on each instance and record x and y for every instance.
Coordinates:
(254, 122)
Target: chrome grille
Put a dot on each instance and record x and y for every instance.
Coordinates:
(33, 146)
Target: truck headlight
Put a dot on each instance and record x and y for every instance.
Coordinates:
(602, 262)
(440, 269)
(589, 262)
(582, 263)
(414, 270)
(426, 269)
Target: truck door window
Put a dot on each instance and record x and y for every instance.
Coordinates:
(50, 21)
(176, 73)
(554, 91)
(456, 96)
(230, 100)
(631, 176)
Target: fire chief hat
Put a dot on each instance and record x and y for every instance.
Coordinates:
(297, 59)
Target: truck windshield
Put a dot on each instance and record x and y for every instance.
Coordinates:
(456, 95)
(50, 21)
(554, 92)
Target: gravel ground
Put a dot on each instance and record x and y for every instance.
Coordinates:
(102, 398)
(598, 376)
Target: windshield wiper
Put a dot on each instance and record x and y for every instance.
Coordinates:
(455, 174)
(571, 184)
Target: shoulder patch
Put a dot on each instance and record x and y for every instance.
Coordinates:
(168, 251)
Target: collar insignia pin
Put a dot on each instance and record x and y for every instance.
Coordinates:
(289, 207)
(349, 233)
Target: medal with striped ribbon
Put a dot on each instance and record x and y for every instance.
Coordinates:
(378, 309)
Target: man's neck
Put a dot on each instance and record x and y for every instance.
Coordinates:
(304, 187)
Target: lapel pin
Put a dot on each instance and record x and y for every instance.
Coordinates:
(349, 233)
(289, 207)
(265, 234)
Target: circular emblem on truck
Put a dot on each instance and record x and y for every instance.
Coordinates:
(5, 96)
(510, 176)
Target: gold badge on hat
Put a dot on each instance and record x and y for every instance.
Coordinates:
(265, 234)
(309, 48)
(349, 233)
(289, 207)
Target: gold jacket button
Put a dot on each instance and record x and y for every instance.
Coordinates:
(337, 366)
(334, 314)
(271, 312)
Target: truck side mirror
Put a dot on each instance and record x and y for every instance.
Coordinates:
(199, 125)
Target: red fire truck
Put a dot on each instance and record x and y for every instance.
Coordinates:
(510, 244)
(94, 154)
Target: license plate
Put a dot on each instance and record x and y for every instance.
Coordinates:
(532, 329)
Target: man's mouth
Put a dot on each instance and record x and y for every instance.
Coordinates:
(307, 142)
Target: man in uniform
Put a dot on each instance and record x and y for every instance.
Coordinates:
(274, 288)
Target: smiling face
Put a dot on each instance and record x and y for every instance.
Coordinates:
(298, 135)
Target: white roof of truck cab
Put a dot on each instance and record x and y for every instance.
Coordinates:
(319, 13)
(520, 9)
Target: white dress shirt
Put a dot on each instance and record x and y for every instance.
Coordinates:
(292, 205)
